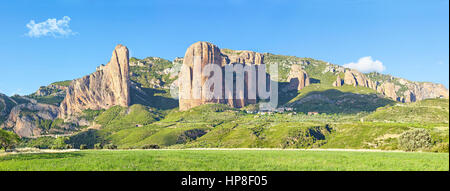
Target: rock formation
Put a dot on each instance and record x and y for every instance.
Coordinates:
(108, 86)
(408, 97)
(24, 118)
(338, 82)
(388, 90)
(425, 90)
(244, 57)
(298, 78)
(192, 92)
(6, 104)
(355, 78)
(415, 91)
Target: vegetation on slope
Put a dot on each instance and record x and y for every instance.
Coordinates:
(344, 99)
(425, 111)
(151, 72)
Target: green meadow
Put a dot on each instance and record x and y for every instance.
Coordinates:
(225, 160)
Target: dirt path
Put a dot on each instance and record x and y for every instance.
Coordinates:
(278, 149)
(202, 149)
(37, 151)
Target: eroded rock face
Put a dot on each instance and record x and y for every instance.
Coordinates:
(298, 78)
(338, 82)
(24, 117)
(190, 78)
(108, 86)
(387, 89)
(192, 89)
(244, 58)
(415, 91)
(425, 90)
(6, 104)
(355, 78)
(408, 97)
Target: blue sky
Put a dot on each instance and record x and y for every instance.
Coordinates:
(409, 38)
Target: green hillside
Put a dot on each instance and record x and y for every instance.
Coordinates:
(344, 99)
(425, 111)
(219, 126)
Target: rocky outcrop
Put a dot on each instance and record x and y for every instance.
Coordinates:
(408, 97)
(425, 90)
(190, 78)
(355, 78)
(298, 78)
(24, 119)
(108, 86)
(338, 82)
(415, 91)
(243, 57)
(6, 104)
(388, 90)
(192, 92)
(395, 88)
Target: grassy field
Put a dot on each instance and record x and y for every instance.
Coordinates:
(224, 160)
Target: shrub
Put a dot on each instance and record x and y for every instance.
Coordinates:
(413, 140)
(150, 147)
(307, 137)
(110, 146)
(98, 146)
(83, 146)
(59, 143)
(440, 148)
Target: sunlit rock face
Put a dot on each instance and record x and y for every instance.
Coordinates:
(192, 89)
(108, 86)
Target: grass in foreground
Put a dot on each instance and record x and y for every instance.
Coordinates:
(224, 160)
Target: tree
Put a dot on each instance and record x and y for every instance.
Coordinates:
(415, 139)
(60, 143)
(8, 139)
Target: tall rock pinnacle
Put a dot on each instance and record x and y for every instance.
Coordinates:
(106, 87)
(191, 81)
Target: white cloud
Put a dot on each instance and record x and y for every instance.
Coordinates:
(442, 62)
(50, 27)
(366, 64)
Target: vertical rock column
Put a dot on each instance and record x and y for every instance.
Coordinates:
(108, 86)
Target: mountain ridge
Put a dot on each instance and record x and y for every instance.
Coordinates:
(304, 83)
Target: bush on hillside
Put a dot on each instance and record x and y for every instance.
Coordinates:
(413, 140)
(110, 146)
(98, 146)
(306, 138)
(440, 148)
(83, 147)
(151, 146)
